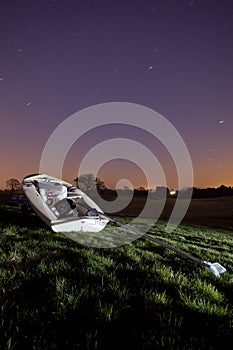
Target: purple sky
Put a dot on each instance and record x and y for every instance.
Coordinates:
(58, 57)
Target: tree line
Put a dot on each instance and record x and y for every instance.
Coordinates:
(89, 183)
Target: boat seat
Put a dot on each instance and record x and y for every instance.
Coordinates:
(66, 207)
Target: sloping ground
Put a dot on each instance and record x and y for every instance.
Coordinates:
(58, 294)
(220, 207)
(213, 212)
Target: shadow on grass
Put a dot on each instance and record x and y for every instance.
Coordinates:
(12, 216)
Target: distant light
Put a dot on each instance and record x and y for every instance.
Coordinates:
(221, 121)
(172, 192)
(28, 104)
(151, 67)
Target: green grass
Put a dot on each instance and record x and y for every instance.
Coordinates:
(58, 294)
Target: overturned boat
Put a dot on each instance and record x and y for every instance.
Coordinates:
(62, 206)
(65, 208)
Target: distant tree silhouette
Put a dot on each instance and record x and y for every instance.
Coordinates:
(100, 185)
(13, 185)
(85, 182)
(223, 190)
(212, 192)
(141, 188)
(88, 182)
(162, 191)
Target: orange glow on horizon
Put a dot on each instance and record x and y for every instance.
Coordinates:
(116, 170)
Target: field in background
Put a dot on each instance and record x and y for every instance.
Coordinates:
(210, 212)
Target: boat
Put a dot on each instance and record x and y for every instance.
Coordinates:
(62, 206)
(65, 208)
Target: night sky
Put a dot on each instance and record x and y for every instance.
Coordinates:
(176, 57)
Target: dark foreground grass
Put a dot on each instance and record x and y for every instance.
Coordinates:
(58, 294)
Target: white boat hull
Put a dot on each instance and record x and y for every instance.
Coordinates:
(46, 205)
(83, 225)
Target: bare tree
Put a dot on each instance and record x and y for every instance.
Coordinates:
(85, 182)
(88, 182)
(100, 186)
(141, 188)
(13, 184)
(162, 191)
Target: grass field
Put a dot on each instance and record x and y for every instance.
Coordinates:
(210, 212)
(58, 294)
